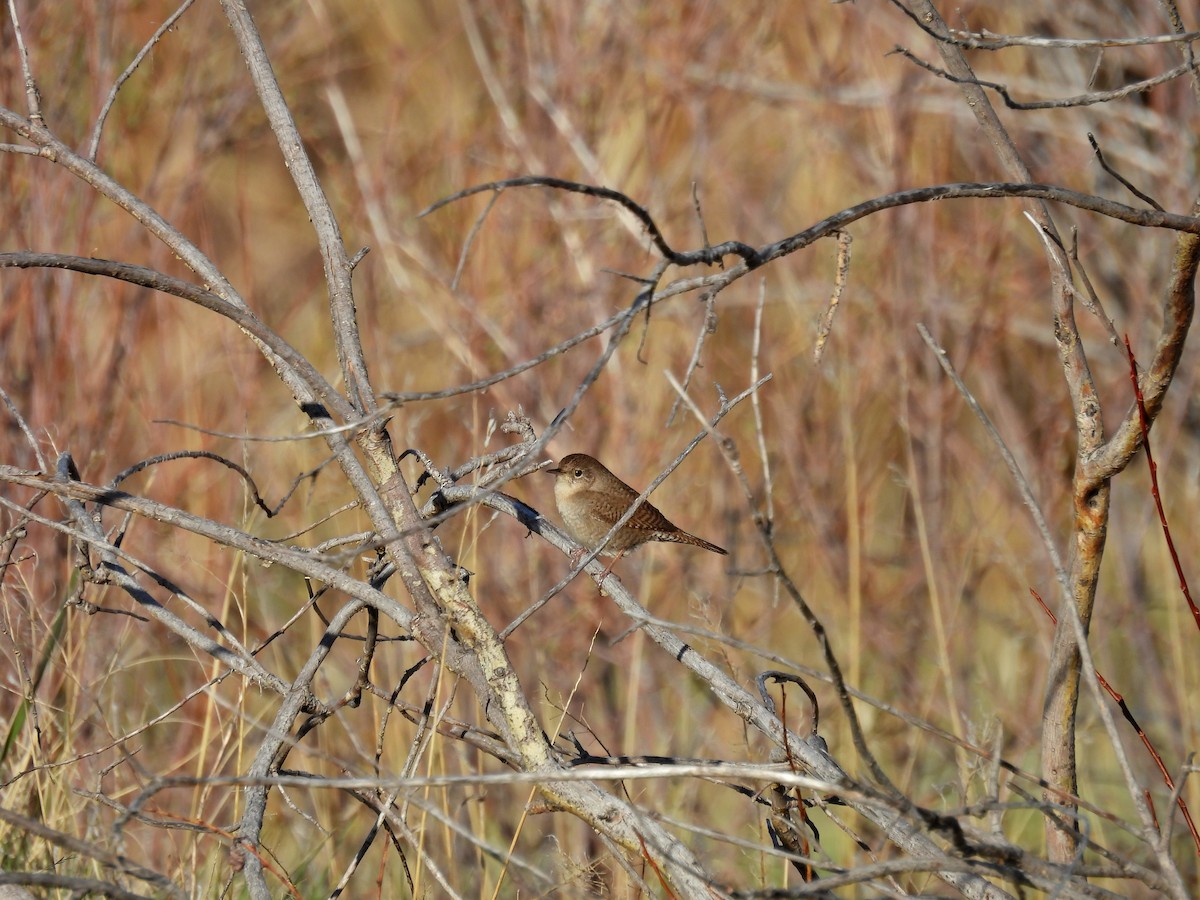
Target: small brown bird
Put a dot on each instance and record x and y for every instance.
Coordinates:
(591, 499)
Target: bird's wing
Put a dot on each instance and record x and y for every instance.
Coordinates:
(647, 517)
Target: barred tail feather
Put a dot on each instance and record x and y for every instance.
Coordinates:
(682, 537)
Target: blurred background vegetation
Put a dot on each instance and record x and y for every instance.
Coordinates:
(901, 525)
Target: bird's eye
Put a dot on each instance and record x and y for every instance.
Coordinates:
(579, 473)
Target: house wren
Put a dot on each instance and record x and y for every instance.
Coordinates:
(591, 499)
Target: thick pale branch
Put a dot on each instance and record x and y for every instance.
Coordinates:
(907, 830)
(1179, 307)
(338, 270)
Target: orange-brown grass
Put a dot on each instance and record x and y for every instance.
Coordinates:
(893, 512)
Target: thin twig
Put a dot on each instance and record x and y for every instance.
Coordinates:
(94, 145)
(841, 271)
(1064, 103)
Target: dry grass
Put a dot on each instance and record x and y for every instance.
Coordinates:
(893, 511)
